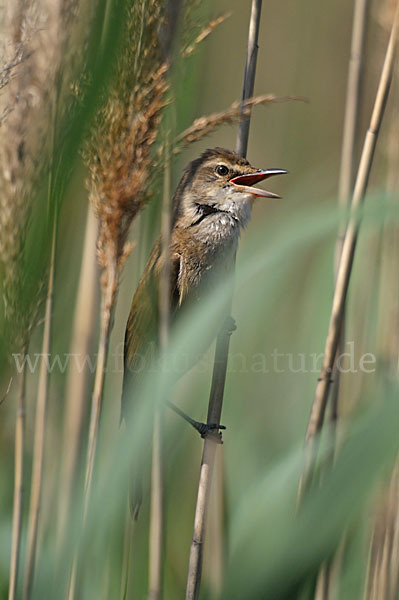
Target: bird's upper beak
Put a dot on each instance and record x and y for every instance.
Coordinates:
(244, 182)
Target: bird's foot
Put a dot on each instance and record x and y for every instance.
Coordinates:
(208, 429)
(204, 429)
(229, 325)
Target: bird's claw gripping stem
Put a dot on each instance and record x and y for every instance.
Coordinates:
(204, 429)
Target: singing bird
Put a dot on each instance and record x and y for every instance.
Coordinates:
(212, 203)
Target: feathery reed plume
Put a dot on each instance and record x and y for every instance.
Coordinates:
(346, 262)
(236, 113)
(7, 72)
(28, 75)
(52, 44)
(211, 442)
(203, 34)
(119, 159)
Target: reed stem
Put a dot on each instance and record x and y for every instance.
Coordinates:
(40, 426)
(157, 516)
(346, 262)
(78, 381)
(107, 311)
(18, 481)
(346, 174)
(222, 350)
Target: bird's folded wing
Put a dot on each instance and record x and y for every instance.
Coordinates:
(141, 336)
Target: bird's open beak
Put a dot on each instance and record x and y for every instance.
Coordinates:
(244, 182)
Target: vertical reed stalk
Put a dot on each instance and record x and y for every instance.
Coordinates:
(345, 189)
(221, 351)
(346, 174)
(346, 262)
(385, 571)
(18, 481)
(157, 516)
(107, 311)
(40, 425)
(351, 115)
(78, 382)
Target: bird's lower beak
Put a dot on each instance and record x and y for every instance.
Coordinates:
(244, 182)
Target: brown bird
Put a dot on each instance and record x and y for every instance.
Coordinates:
(212, 203)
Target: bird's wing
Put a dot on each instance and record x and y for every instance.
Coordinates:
(141, 336)
(141, 341)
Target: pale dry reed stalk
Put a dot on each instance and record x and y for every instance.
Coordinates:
(211, 442)
(346, 262)
(383, 576)
(345, 189)
(157, 510)
(348, 153)
(18, 484)
(40, 428)
(78, 380)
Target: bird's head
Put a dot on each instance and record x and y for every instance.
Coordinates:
(220, 181)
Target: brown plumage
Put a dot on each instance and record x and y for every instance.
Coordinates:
(212, 204)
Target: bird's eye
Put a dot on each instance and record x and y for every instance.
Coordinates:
(222, 170)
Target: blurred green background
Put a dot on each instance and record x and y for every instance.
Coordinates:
(281, 305)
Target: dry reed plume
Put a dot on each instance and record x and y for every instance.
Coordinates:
(119, 158)
(236, 113)
(204, 33)
(121, 164)
(23, 119)
(121, 170)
